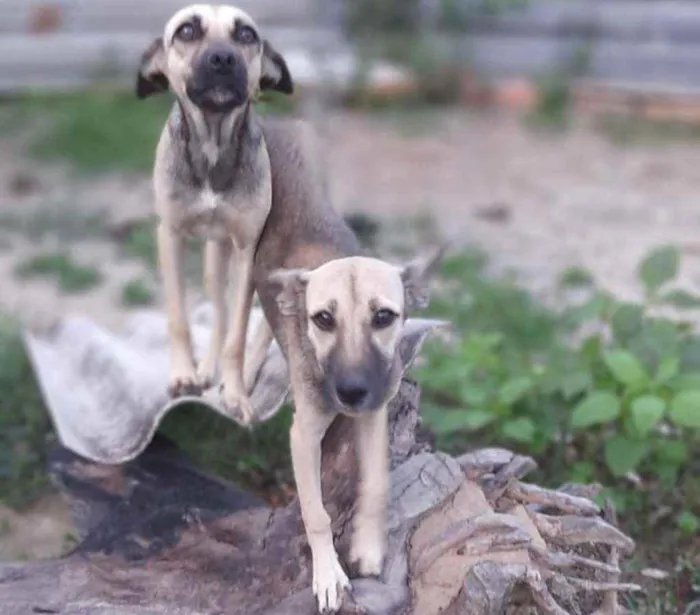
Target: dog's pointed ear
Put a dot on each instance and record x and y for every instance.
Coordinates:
(416, 277)
(274, 74)
(415, 331)
(292, 284)
(151, 77)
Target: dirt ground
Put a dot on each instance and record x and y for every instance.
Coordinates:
(536, 201)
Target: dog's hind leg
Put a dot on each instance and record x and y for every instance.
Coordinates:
(256, 353)
(183, 375)
(369, 537)
(217, 255)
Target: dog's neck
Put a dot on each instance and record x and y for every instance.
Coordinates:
(213, 142)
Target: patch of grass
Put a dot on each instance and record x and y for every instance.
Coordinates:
(71, 277)
(101, 131)
(98, 131)
(26, 434)
(137, 293)
(627, 131)
(258, 460)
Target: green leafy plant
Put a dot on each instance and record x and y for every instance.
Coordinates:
(598, 389)
(72, 277)
(25, 430)
(137, 293)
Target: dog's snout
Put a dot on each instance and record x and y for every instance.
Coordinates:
(352, 391)
(222, 60)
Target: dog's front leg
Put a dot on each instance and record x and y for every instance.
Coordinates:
(329, 578)
(183, 375)
(235, 397)
(369, 537)
(216, 262)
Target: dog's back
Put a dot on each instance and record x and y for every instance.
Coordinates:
(303, 230)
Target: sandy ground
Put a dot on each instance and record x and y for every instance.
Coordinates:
(537, 203)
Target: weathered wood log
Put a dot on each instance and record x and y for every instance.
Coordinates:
(159, 536)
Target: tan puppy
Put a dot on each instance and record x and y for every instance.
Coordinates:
(341, 321)
(212, 176)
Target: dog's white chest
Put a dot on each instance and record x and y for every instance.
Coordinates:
(207, 216)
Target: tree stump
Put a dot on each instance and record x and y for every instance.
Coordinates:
(158, 536)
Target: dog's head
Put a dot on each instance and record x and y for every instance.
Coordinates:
(213, 56)
(355, 312)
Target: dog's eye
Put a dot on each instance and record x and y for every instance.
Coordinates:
(383, 318)
(324, 320)
(186, 32)
(246, 35)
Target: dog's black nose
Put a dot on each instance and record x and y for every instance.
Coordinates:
(351, 391)
(222, 60)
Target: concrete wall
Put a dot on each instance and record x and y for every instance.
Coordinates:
(647, 43)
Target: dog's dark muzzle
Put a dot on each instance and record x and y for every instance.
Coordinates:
(220, 79)
(361, 388)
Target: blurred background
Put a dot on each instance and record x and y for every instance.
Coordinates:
(555, 142)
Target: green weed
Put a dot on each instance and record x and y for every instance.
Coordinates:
(100, 131)
(25, 430)
(71, 277)
(137, 293)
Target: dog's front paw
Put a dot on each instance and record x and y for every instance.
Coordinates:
(329, 583)
(206, 372)
(238, 405)
(367, 552)
(183, 381)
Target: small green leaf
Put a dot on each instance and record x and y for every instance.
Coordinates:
(576, 383)
(597, 307)
(685, 409)
(582, 472)
(668, 368)
(451, 421)
(659, 267)
(623, 455)
(514, 390)
(473, 395)
(624, 367)
(672, 452)
(687, 382)
(576, 277)
(647, 411)
(598, 408)
(477, 419)
(627, 321)
(681, 299)
(520, 430)
(688, 523)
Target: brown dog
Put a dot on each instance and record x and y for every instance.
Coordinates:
(341, 321)
(212, 176)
